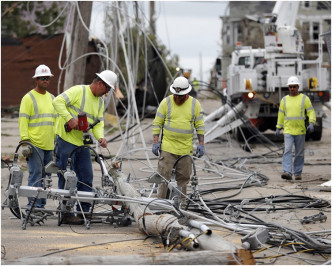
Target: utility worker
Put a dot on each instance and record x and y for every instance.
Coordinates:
(37, 119)
(291, 118)
(87, 99)
(195, 84)
(177, 117)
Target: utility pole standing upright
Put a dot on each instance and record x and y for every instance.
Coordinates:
(113, 54)
(200, 67)
(152, 18)
(79, 39)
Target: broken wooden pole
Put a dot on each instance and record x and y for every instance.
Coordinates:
(167, 224)
(179, 258)
(147, 222)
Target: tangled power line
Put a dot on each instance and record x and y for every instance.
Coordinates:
(239, 215)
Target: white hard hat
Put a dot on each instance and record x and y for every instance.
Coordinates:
(180, 86)
(293, 81)
(109, 77)
(42, 71)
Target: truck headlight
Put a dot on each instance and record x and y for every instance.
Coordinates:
(251, 95)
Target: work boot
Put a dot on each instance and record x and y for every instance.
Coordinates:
(298, 177)
(73, 220)
(286, 176)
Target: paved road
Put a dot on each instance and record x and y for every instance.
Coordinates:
(50, 240)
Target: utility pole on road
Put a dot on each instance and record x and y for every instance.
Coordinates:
(79, 39)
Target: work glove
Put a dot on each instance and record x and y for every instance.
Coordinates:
(26, 149)
(156, 148)
(311, 128)
(277, 132)
(200, 150)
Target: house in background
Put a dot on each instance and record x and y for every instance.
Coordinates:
(313, 19)
(20, 57)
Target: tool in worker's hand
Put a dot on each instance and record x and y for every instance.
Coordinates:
(67, 127)
(83, 126)
(82, 123)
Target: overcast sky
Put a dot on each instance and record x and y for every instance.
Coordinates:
(192, 28)
(187, 28)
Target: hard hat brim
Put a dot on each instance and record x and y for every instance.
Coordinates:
(182, 92)
(293, 83)
(105, 81)
(43, 75)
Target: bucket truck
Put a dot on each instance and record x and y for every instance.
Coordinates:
(258, 77)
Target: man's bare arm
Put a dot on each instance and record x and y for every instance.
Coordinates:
(155, 138)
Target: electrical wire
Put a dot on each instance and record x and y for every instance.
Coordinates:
(193, 239)
(143, 216)
(52, 22)
(286, 254)
(87, 246)
(130, 55)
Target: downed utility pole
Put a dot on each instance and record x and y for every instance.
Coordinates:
(166, 225)
(154, 224)
(195, 258)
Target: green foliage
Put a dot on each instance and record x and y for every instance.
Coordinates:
(12, 22)
(47, 15)
(16, 21)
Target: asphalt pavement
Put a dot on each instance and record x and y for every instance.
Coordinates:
(48, 240)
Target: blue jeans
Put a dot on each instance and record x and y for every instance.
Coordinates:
(35, 172)
(290, 141)
(81, 164)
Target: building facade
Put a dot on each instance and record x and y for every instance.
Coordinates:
(239, 27)
(20, 57)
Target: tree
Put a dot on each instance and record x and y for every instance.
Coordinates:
(18, 22)
(12, 22)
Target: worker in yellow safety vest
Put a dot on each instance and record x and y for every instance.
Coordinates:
(177, 117)
(195, 84)
(37, 119)
(291, 118)
(69, 140)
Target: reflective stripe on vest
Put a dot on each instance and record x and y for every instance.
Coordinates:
(177, 130)
(37, 115)
(302, 117)
(79, 110)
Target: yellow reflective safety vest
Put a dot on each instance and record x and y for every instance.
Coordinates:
(292, 114)
(178, 123)
(37, 119)
(70, 103)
